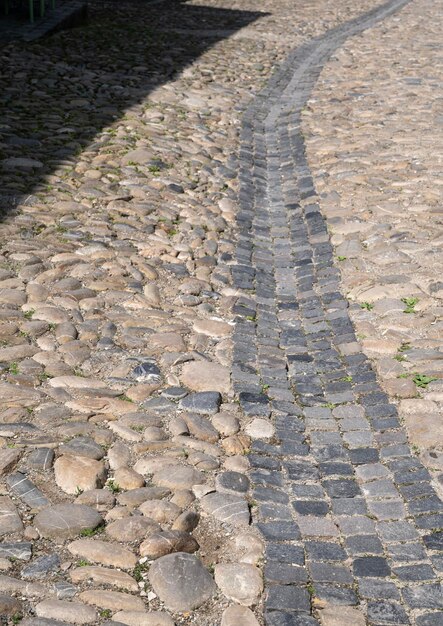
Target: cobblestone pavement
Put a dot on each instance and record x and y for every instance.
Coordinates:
(375, 147)
(169, 303)
(350, 516)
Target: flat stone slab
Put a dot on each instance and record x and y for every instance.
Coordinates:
(204, 403)
(10, 520)
(66, 521)
(27, 491)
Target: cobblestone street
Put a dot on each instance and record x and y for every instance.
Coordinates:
(220, 317)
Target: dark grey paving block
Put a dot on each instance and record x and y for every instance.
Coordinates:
(371, 566)
(203, 402)
(311, 507)
(280, 618)
(376, 588)
(325, 551)
(385, 612)
(430, 619)
(279, 531)
(419, 572)
(288, 598)
(267, 494)
(332, 594)
(403, 552)
(285, 553)
(397, 531)
(424, 596)
(268, 511)
(349, 506)
(284, 573)
(337, 488)
(327, 572)
(364, 544)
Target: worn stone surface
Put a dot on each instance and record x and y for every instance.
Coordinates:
(181, 581)
(101, 552)
(152, 618)
(234, 615)
(173, 331)
(239, 581)
(65, 521)
(74, 612)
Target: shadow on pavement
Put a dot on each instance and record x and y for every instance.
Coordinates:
(57, 94)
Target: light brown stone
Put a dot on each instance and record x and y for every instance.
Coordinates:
(204, 376)
(106, 553)
(74, 612)
(74, 473)
(104, 576)
(153, 618)
(239, 581)
(113, 600)
(236, 615)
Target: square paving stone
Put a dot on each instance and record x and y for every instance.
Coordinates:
(279, 531)
(280, 618)
(384, 612)
(311, 526)
(371, 471)
(403, 552)
(424, 596)
(430, 619)
(380, 489)
(375, 588)
(364, 544)
(285, 553)
(371, 566)
(267, 494)
(284, 573)
(264, 462)
(325, 551)
(428, 522)
(301, 471)
(288, 598)
(274, 511)
(414, 572)
(397, 531)
(434, 541)
(416, 490)
(362, 456)
(340, 596)
(355, 525)
(330, 573)
(308, 491)
(311, 507)
(341, 488)
(387, 509)
(349, 506)
(336, 469)
(425, 505)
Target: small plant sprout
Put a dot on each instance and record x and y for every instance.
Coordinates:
(113, 486)
(404, 347)
(422, 380)
(410, 304)
(341, 258)
(366, 305)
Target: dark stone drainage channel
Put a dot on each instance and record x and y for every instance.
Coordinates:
(349, 515)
